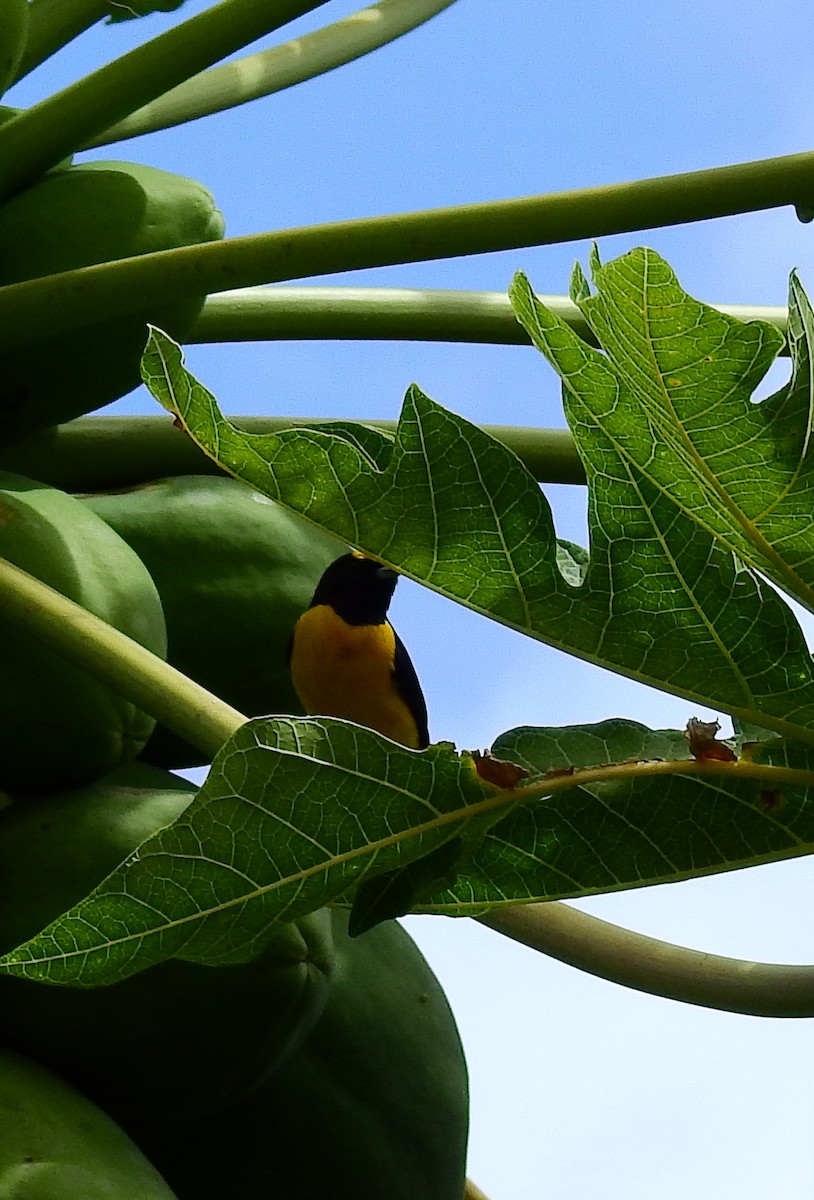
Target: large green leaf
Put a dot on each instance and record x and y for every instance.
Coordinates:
(681, 416)
(661, 600)
(628, 831)
(293, 815)
(297, 814)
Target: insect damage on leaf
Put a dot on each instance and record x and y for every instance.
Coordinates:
(703, 743)
(498, 771)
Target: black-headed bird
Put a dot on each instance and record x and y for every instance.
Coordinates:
(347, 660)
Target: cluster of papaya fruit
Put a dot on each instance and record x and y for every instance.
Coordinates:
(327, 1065)
(82, 215)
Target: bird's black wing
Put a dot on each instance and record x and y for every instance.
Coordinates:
(407, 683)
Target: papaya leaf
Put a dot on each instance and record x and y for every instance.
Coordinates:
(396, 893)
(660, 600)
(300, 813)
(293, 814)
(630, 832)
(683, 419)
(130, 10)
(746, 733)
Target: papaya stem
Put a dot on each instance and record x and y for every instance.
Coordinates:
(116, 660)
(97, 454)
(660, 968)
(282, 313)
(276, 69)
(76, 298)
(55, 23)
(369, 313)
(38, 138)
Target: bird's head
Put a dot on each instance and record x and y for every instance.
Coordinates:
(358, 588)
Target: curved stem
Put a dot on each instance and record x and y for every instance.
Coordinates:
(55, 23)
(115, 659)
(650, 965)
(273, 70)
(45, 133)
(401, 314)
(76, 298)
(95, 454)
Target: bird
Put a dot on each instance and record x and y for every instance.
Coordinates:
(346, 659)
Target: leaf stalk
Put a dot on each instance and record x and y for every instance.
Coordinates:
(38, 138)
(301, 313)
(55, 23)
(273, 70)
(116, 660)
(76, 298)
(660, 968)
(96, 454)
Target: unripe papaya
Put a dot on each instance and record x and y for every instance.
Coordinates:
(91, 213)
(14, 21)
(178, 1039)
(58, 726)
(56, 1145)
(373, 1106)
(234, 571)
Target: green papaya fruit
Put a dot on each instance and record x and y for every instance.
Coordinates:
(56, 1145)
(14, 21)
(58, 726)
(177, 1039)
(90, 213)
(373, 1106)
(234, 571)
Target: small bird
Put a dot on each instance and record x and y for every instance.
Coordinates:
(347, 660)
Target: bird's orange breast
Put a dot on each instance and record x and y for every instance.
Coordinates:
(341, 670)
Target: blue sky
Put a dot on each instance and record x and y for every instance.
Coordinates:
(578, 1086)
